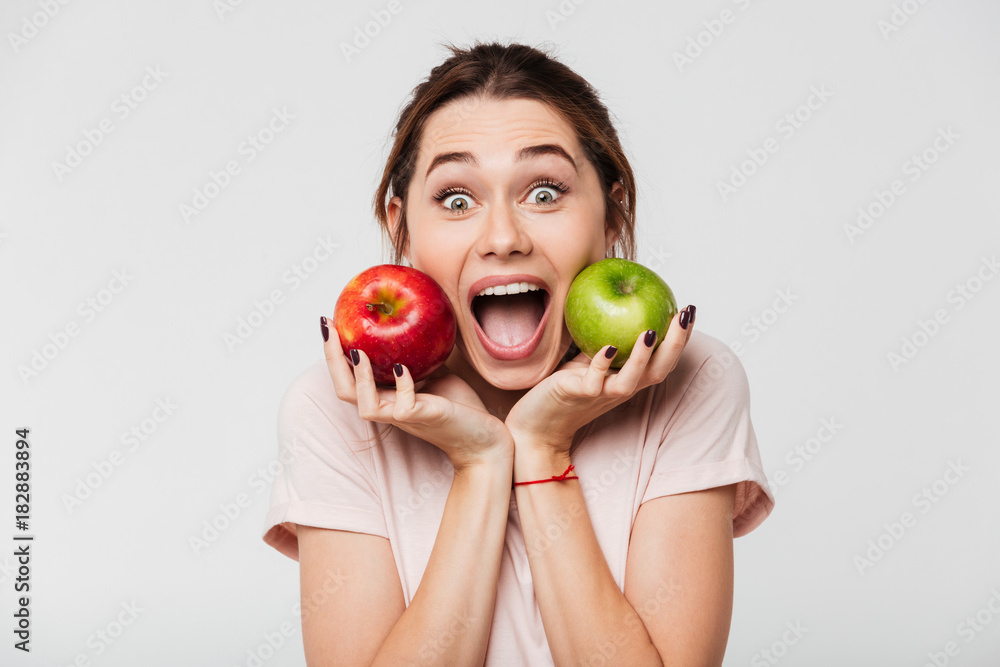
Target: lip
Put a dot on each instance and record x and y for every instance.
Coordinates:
(513, 352)
(493, 281)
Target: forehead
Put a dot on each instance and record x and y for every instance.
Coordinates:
(476, 124)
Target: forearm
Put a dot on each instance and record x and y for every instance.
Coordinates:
(585, 614)
(448, 621)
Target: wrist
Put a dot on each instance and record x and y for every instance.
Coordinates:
(496, 457)
(540, 444)
(533, 463)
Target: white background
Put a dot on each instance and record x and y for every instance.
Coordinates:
(686, 126)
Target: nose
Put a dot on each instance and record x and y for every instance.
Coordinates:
(503, 233)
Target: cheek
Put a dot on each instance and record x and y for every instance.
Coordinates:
(440, 256)
(577, 245)
(433, 248)
(420, 242)
(592, 231)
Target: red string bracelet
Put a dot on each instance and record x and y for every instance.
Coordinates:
(555, 478)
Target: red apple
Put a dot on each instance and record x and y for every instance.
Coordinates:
(396, 314)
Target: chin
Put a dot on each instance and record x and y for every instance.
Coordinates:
(515, 381)
(517, 375)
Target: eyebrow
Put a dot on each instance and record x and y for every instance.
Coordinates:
(526, 153)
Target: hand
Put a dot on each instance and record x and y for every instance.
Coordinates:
(446, 412)
(582, 389)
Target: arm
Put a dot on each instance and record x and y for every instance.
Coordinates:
(677, 604)
(678, 598)
(362, 620)
(584, 613)
(679, 574)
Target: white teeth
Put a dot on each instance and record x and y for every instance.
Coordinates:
(512, 288)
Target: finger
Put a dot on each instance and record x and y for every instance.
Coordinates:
(441, 371)
(627, 380)
(685, 319)
(337, 363)
(691, 309)
(593, 379)
(669, 352)
(367, 392)
(406, 395)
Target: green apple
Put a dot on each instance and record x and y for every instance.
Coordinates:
(614, 300)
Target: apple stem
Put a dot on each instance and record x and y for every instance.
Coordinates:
(626, 286)
(383, 308)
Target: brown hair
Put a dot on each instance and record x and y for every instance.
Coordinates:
(496, 71)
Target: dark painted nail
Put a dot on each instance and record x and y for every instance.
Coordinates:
(398, 370)
(692, 309)
(355, 357)
(650, 338)
(325, 329)
(612, 351)
(684, 319)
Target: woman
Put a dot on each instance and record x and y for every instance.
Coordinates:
(413, 545)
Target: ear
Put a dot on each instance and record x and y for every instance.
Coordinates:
(610, 236)
(395, 211)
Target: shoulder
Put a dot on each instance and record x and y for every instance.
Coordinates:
(705, 356)
(701, 429)
(708, 372)
(312, 383)
(708, 379)
(313, 390)
(310, 405)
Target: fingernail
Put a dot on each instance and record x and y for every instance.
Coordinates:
(398, 370)
(325, 329)
(650, 338)
(355, 357)
(612, 351)
(684, 319)
(692, 309)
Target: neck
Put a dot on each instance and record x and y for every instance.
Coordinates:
(498, 401)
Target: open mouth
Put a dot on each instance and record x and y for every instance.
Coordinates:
(510, 318)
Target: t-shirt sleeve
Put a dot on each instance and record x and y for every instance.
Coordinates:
(325, 474)
(708, 441)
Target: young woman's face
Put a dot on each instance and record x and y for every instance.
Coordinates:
(503, 195)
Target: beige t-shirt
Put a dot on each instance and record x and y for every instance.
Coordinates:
(690, 432)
